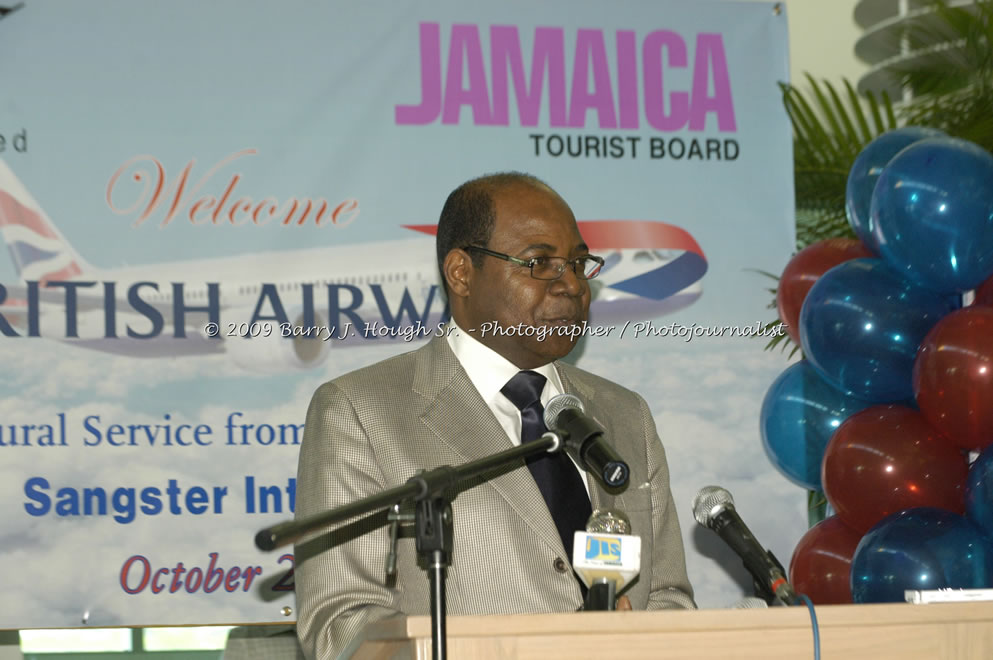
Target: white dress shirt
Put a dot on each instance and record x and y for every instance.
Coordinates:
(489, 372)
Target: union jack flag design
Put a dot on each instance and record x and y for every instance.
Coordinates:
(38, 250)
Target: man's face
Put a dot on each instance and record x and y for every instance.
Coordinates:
(530, 222)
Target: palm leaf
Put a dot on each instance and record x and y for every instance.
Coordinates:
(829, 131)
(951, 70)
(952, 48)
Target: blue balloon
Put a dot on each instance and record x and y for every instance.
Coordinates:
(920, 548)
(799, 414)
(861, 325)
(932, 214)
(979, 492)
(865, 172)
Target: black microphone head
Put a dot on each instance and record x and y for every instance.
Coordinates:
(710, 502)
(557, 404)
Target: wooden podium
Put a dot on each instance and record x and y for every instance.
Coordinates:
(949, 631)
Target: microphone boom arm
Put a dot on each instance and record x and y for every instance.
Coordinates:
(417, 487)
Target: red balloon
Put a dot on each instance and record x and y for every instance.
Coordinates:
(984, 293)
(886, 459)
(803, 270)
(953, 377)
(822, 562)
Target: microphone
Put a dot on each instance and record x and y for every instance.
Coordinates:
(606, 558)
(713, 507)
(584, 441)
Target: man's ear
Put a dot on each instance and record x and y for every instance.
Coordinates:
(458, 271)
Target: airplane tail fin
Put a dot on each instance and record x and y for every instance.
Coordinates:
(39, 251)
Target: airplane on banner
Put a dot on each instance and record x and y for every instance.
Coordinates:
(288, 309)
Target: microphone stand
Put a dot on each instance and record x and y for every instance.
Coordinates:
(432, 519)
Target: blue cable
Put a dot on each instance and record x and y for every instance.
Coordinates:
(813, 625)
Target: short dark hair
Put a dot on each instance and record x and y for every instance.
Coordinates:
(468, 215)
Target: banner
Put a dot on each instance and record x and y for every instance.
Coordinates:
(212, 208)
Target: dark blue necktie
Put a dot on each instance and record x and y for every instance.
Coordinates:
(556, 476)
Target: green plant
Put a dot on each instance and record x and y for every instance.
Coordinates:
(951, 73)
(829, 131)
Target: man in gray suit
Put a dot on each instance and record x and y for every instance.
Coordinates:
(511, 254)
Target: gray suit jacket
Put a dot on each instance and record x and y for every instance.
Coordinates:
(374, 428)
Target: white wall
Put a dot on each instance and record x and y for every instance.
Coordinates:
(822, 40)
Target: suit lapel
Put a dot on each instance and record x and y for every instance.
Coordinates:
(599, 498)
(460, 419)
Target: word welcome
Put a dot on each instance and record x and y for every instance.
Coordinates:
(181, 197)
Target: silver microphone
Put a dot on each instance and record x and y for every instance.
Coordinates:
(606, 557)
(713, 507)
(608, 521)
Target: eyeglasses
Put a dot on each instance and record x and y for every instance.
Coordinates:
(585, 267)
